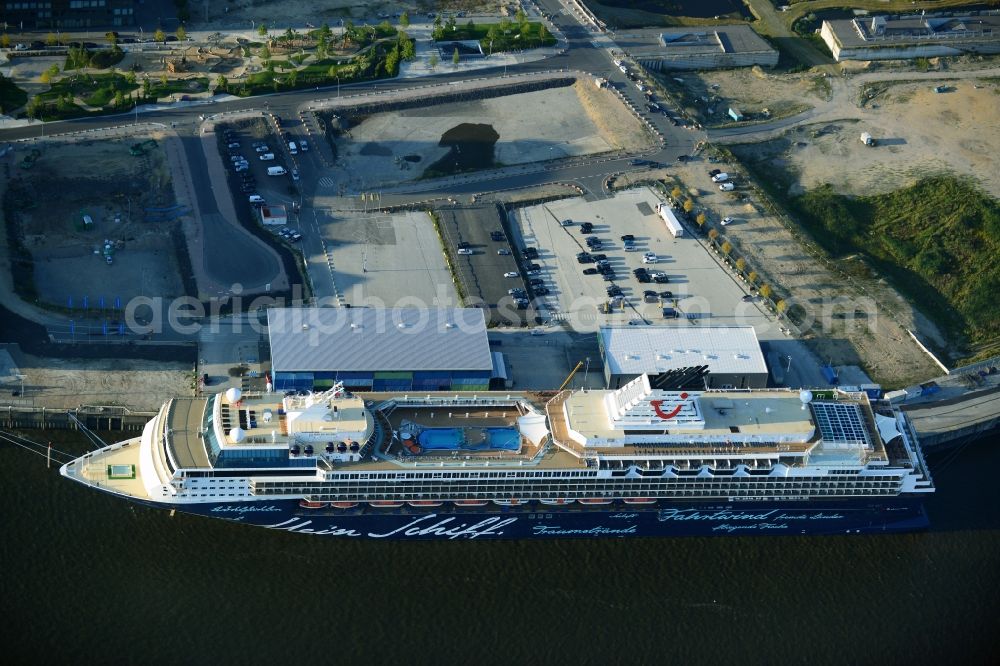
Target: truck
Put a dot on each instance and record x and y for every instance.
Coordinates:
(276, 171)
(867, 139)
(670, 220)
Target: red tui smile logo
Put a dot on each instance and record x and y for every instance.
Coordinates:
(666, 416)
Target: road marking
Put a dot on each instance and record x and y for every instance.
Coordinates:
(326, 181)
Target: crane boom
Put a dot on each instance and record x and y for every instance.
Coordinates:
(573, 372)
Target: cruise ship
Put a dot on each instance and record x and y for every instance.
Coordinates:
(637, 461)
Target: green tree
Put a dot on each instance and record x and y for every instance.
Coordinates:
(741, 264)
(264, 53)
(688, 205)
(726, 248)
(64, 103)
(45, 77)
(5, 41)
(262, 29)
(455, 57)
(34, 109)
(130, 77)
(676, 192)
(289, 36)
(50, 39)
(780, 306)
(520, 16)
(765, 290)
(325, 32)
(433, 60)
(293, 78)
(701, 219)
(147, 88)
(181, 33)
(470, 28)
(221, 84)
(407, 50)
(752, 277)
(713, 234)
(543, 33)
(160, 36)
(119, 100)
(163, 79)
(404, 20)
(332, 72)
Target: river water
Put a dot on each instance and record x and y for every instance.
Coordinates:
(87, 578)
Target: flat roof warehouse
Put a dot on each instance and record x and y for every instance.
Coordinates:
(359, 339)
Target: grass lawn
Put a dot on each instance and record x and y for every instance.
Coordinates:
(514, 38)
(96, 89)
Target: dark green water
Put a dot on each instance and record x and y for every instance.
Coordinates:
(88, 579)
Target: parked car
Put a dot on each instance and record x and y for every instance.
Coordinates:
(666, 294)
(748, 298)
(727, 187)
(541, 291)
(586, 227)
(516, 291)
(530, 253)
(590, 271)
(256, 198)
(649, 258)
(631, 247)
(600, 257)
(650, 296)
(584, 258)
(628, 238)
(536, 282)
(234, 144)
(303, 146)
(726, 221)
(496, 235)
(714, 172)
(660, 278)
(510, 274)
(503, 252)
(720, 177)
(567, 222)
(262, 148)
(466, 250)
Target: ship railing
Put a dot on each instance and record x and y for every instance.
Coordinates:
(456, 400)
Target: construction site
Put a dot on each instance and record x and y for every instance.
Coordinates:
(92, 220)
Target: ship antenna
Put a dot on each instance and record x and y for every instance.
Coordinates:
(95, 440)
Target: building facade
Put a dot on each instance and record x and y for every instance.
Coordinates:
(380, 349)
(693, 48)
(67, 14)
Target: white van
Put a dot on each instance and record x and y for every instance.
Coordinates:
(720, 177)
(727, 187)
(276, 171)
(292, 148)
(303, 146)
(267, 157)
(256, 198)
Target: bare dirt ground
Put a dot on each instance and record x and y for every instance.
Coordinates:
(138, 385)
(532, 127)
(709, 94)
(70, 256)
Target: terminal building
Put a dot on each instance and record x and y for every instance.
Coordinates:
(380, 349)
(732, 354)
(698, 48)
(913, 36)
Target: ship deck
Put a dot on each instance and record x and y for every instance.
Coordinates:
(182, 430)
(113, 469)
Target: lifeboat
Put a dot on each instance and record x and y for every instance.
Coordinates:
(640, 500)
(306, 504)
(508, 502)
(471, 502)
(343, 505)
(594, 501)
(424, 503)
(412, 447)
(556, 502)
(386, 504)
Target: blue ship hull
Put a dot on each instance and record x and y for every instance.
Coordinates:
(534, 520)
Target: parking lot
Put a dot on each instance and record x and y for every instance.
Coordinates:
(387, 260)
(701, 292)
(484, 261)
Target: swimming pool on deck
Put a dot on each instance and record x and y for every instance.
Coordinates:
(470, 439)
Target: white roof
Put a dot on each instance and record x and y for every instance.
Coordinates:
(635, 350)
(372, 339)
